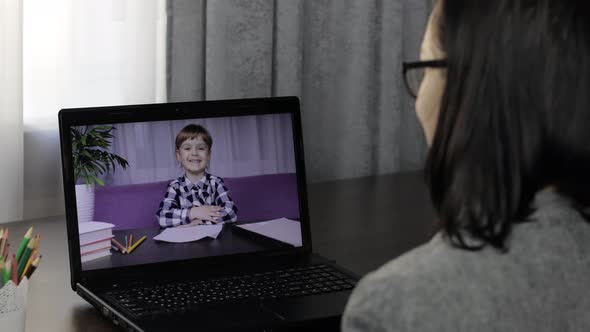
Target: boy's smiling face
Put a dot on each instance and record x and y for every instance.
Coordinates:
(194, 155)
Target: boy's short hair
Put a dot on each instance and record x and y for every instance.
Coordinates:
(193, 131)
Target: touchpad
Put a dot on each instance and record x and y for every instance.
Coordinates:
(310, 307)
(232, 315)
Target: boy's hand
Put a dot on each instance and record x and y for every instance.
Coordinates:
(205, 213)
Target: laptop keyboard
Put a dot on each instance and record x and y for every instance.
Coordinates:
(182, 296)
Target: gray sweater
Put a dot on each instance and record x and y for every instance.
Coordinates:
(541, 284)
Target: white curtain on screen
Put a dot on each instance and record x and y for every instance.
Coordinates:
(11, 126)
(78, 54)
(242, 146)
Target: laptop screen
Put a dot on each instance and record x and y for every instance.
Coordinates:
(150, 192)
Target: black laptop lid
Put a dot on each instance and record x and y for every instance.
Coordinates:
(133, 173)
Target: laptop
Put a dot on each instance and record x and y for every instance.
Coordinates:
(194, 215)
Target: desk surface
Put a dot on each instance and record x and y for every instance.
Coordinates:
(360, 223)
(229, 241)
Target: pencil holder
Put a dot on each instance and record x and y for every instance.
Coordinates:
(13, 304)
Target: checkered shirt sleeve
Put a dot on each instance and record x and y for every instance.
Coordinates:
(222, 198)
(172, 212)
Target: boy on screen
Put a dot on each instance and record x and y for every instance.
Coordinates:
(197, 197)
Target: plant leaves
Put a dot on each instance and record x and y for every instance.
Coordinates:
(90, 153)
(99, 181)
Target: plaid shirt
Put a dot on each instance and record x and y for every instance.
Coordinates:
(182, 195)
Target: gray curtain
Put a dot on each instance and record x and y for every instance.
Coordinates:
(341, 57)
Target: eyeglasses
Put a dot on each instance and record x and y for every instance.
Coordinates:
(414, 73)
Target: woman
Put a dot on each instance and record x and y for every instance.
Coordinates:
(504, 103)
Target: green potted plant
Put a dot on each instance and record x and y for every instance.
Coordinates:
(91, 160)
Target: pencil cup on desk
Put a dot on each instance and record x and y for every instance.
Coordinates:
(15, 271)
(13, 303)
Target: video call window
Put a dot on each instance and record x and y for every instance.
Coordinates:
(150, 192)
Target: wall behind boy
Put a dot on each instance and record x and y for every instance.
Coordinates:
(341, 57)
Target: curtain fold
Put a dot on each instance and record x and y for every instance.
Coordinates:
(11, 118)
(341, 57)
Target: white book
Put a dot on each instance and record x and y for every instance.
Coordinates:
(93, 231)
(95, 254)
(101, 244)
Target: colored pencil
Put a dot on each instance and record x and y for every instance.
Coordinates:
(1, 272)
(130, 241)
(25, 256)
(123, 250)
(14, 276)
(137, 243)
(33, 267)
(31, 259)
(6, 272)
(24, 243)
(4, 244)
(38, 239)
(6, 249)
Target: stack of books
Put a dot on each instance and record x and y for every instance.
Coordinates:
(95, 239)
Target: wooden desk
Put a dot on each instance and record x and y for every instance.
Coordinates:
(360, 223)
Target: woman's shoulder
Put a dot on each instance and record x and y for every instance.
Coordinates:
(424, 262)
(416, 288)
(555, 229)
(413, 289)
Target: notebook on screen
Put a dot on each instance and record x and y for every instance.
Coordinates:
(186, 213)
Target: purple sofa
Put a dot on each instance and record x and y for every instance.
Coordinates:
(261, 197)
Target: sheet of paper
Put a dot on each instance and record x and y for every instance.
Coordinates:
(284, 230)
(189, 234)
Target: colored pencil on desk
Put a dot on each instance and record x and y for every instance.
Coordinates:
(25, 256)
(29, 261)
(126, 243)
(130, 241)
(33, 267)
(137, 243)
(24, 243)
(123, 250)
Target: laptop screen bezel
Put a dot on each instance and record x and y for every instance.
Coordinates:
(69, 118)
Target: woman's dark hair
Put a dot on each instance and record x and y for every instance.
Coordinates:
(514, 116)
